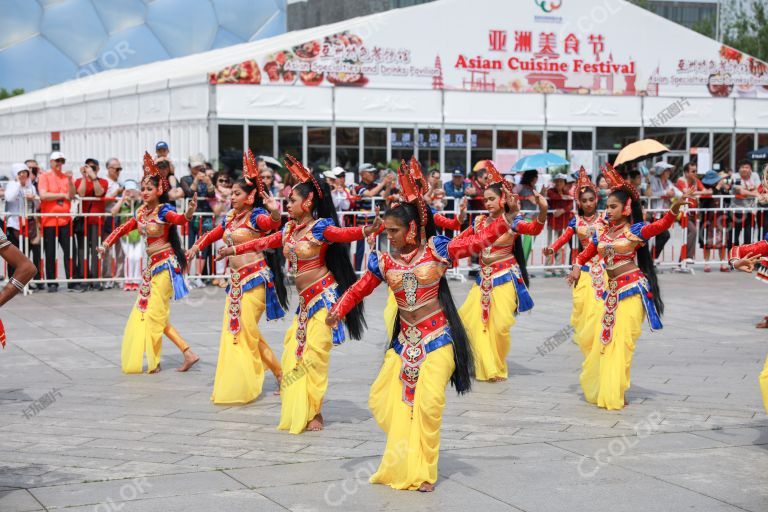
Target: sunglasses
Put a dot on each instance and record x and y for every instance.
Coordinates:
(225, 182)
(266, 177)
(61, 160)
(118, 169)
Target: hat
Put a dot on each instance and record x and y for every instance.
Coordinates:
(161, 145)
(366, 167)
(131, 185)
(336, 172)
(196, 161)
(560, 176)
(457, 172)
(17, 168)
(660, 167)
(56, 155)
(711, 178)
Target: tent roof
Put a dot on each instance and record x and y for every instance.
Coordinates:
(180, 71)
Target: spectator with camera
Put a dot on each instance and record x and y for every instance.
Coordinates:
(91, 189)
(199, 182)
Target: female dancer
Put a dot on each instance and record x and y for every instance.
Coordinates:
(441, 221)
(256, 284)
(632, 290)
(587, 300)
(746, 258)
(162, 276)
(312, 244)
(23, 272)
(430, 345)
(500, 291)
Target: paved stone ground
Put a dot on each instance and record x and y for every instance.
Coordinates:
(695, 436)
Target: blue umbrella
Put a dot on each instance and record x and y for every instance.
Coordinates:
(758, 154)
(539, 161)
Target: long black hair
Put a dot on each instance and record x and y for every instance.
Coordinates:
(337, 256)
(517, 249)
(271, 255)
(173, 233)
(462, 353)
(644, 259)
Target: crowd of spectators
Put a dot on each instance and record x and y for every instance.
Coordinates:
(81, 207)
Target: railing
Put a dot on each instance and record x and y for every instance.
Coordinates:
(700, 236)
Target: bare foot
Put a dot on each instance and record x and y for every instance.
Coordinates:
(156, 370)
(626, 402)
(316, 423)
(426, 487)
(190, 358)
(279, 383)
(496, 379)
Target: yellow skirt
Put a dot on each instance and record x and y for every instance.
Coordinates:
(413, 433)
(390, 312)
(240, 369)
(764, 385)
(144, 331)
(305, 382)
(490, 344)
(605, 372)
(586, 314)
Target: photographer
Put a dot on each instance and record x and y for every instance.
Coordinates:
(91, 189)
(366, 190)
(199, 182)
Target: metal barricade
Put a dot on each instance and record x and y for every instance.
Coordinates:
(700, 236)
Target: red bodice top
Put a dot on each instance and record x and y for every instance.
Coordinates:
(618, 244)
(415, 283)
(239, 229)
(582, 227)
(153, 225)
(503, 247)
(306, 252)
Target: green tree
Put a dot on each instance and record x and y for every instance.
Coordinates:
(4, 93)
(746, 28)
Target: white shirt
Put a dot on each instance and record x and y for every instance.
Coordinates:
(14, 200)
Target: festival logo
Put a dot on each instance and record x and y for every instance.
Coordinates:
(548, 6)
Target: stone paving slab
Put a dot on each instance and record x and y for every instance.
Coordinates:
(695, 436)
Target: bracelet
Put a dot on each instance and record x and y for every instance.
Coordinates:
(18, 284)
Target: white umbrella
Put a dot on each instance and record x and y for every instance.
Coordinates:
(271, 162)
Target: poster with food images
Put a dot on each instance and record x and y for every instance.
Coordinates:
(601, 47)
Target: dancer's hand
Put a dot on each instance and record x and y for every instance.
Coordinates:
(332, 320)
(191, 253)
(512, 203)
(271, 204)
(685, 199)
(548, 251)
(747, 263)
(463, 210)
(191, 207)
(225, 252)
(101, 250)
(573, 277)
(373, 228)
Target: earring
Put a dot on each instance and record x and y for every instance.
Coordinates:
(410, 238)
(627, 211)
(306, 205)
